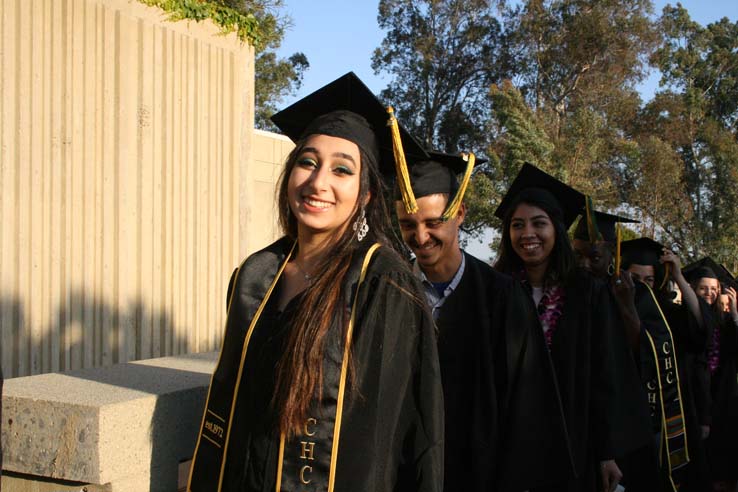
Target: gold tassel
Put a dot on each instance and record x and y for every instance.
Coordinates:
(592, 230)
(403, 176)
(455, 204)
(617, 248)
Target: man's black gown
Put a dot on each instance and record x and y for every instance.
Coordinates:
(504, 425)
(392, 423)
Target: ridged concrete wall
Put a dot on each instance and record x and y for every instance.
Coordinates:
(126, 182)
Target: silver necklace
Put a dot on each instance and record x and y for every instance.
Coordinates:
(305, 275)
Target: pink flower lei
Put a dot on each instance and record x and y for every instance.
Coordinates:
(550, 310)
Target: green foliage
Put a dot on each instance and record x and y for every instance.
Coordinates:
(442, 56)
(243, 21)
(521, 137)
(562, 76)
(275, 79)
(695, 116)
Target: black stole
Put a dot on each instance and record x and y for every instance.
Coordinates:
(660, 372)
(308, 461)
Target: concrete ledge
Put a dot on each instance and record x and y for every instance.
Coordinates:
(126, 426)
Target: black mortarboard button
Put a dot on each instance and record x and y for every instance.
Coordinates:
(605, 224)
(346, 108)
(709, 268)
(539, 185)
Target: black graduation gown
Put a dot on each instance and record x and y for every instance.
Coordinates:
(689, 339)
(391, 426)
(504, 425)
(722, 445)
(597, 379)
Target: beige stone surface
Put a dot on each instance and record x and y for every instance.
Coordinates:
(125, 140)
(124, 425)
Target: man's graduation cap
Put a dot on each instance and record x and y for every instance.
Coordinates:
(346, 108)
(535, 184)
(709, 268)
(438, 174)
(604, 223)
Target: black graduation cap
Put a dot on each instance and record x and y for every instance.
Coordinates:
(542, 186)
(438, 174)
(605, 224)
(646, 251)
(709, 268)
(346, 108)
(641, 251)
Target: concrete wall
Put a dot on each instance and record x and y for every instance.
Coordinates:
(127, 182)
(269, 153)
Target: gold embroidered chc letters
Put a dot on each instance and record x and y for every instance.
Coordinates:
(668, 363)
(307, 449)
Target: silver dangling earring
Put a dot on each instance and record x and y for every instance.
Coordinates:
(360, 226)
(611, 268)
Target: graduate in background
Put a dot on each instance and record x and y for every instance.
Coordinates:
(717, 372)
(595, 247)
(578, 319)
(504, 426)
(328, 377)
(670, 333)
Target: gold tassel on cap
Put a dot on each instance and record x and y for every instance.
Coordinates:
(618, 242)
(455, 204)
(592, 230)
(403, 176)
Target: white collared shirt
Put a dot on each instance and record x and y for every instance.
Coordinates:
(435, 301)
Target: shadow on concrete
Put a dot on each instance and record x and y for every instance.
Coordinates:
(102, 332)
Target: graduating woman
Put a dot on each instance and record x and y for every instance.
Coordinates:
(718, 370)
(328, 378)
(577, 316)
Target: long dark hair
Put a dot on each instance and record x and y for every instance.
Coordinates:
(561, 261)
(300, 368)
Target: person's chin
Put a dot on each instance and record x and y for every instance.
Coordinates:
(426, 257)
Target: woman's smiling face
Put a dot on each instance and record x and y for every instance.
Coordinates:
(532, 234)
(324, 184)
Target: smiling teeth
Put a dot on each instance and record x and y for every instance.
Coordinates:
(317, 203)
(530, 247)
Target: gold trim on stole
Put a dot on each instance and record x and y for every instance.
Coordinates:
(252, 325)
(341, 384)
(661, 395)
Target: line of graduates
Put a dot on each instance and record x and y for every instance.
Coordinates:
(566, 366)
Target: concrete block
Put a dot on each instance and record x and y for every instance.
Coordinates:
(128, 425)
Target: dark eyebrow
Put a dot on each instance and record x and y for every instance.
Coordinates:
(335, 154)
(345, 156)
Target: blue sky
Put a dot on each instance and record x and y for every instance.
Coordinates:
(340, 36)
